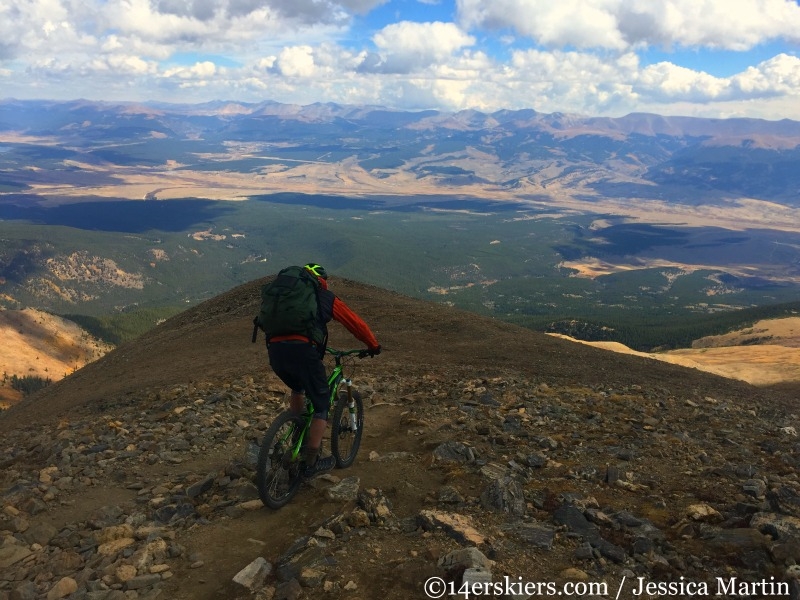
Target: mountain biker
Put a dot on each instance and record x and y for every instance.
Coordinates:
(297, 361)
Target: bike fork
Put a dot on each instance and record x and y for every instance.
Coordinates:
(351, 405)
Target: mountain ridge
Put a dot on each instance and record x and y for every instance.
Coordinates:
(226, 319)
(647, 124)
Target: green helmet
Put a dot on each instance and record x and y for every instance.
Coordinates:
(317, 270)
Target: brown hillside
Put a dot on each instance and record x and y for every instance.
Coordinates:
(212, 340)
(39, 344)
(486, 447)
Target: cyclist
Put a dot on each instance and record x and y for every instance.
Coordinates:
(297, 361)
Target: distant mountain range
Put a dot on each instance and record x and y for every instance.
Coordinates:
(636, 156)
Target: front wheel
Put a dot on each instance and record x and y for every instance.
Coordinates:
(278, 474)
(348, 425)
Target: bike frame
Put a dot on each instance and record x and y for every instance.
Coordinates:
(335, 381)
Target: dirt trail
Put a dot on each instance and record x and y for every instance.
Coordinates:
(227, 548)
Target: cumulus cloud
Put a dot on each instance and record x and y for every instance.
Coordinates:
(556, 81)
(144, 20)
(132, 65)
(305, 61)
(590, 84)
(778, 75)
(297, 61)
(200, 70)
(406, 46)
(665, 81)
(611, 24)
(39, 25)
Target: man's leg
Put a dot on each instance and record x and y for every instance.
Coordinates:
(315, 383)
(315, 434)
(300, 368)
(297, 403)
(282, 359)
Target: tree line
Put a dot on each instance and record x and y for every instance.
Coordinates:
(27, 384)
(647, 333)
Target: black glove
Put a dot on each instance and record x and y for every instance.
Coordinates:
(375, 351)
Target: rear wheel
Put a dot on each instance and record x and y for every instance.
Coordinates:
(278, 474)
(347, 429)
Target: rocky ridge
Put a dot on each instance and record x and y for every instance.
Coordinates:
(471, 470)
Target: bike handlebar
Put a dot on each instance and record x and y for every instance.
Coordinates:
(360, 352)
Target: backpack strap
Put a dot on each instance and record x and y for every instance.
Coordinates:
(256, 327)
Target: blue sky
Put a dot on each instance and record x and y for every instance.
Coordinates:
(712, 58)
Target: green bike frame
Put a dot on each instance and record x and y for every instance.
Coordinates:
(335, 381)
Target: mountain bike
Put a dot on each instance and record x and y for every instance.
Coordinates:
(280, 457)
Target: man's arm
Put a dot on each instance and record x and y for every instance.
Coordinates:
(354, 324)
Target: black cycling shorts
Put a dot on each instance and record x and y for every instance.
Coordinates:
(299, 366)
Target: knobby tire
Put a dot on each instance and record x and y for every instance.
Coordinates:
(277, 482)
(345, 443)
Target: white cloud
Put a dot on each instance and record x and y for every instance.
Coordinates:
(142, 19)
(407, 47)
(571, 81)
(778, 75)
(132, 65)
(297, 61)
(162, 27)
(201, 70)
(306, 61)
(665, 81)
(617, 24)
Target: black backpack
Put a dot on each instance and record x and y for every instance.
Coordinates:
(290, 305)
